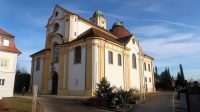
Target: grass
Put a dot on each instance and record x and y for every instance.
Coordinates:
(18, 104)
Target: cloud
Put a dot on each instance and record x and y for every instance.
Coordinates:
(115, 16)
(173, 49)
(166, 22)
(168, 46)
(153, 8)
(152, 30)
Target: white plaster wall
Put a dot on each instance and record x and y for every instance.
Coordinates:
(114, 72)
(148, 74)
(66, 28)
(7, 89)
(134, 72)
(76, 71)
(77, 26)
(82, 27)
(57, 19)
(95, 64)
(8, 74)
(12, 60)
(37, 75)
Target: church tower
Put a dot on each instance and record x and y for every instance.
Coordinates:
(98, 19)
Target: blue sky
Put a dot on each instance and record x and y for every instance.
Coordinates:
(168, 30)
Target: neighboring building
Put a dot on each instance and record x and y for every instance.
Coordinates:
(8, 60)
(78, 53)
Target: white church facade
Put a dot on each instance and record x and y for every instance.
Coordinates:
(8, 60)
(78, 53)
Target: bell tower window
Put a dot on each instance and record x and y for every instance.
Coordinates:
(56, 27)
(55, 52)
(56, 14)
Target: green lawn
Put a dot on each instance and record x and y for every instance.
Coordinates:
(18, 104)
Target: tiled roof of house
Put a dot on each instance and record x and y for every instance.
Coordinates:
(120, 31)
(94, 32)
(11, 47)
(5, 32)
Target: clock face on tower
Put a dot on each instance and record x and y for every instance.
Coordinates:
(56, 27)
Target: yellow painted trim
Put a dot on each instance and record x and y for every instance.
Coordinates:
(127, 73)
(101, 59)
(61, 68)
(45, 72)
(67, 68)
(89, 77)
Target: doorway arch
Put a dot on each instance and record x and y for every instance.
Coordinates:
(54, 83)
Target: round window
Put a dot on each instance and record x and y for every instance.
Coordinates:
(56, 27)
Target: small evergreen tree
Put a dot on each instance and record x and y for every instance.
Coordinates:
(180, 78)
(156, 74)
(104, 88)
(166, 79)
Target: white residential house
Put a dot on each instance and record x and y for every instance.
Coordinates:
(8, 60)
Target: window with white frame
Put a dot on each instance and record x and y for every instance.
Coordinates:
(3, 63)
(110, 57)
(119, 59)
(2, 82)
(149, 79)
(77, 55)
(6, 42)
(55, 52)
(149, 67)
(134, 61)
(145, 68)
(38, 64)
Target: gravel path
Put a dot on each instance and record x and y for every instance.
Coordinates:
(161, 103)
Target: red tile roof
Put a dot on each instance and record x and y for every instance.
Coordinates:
(5, 32)
(120, 31)
(11, 47)
(95, 32)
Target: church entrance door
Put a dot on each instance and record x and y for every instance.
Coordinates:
(55, 83)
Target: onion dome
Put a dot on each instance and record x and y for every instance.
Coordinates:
(119, 30)
(97, 13)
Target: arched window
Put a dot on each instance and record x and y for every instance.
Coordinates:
(134, 61)
(38, 64)
(77, 55)
(110, 57)
(145, 67)
(55, 52)
(56, 27)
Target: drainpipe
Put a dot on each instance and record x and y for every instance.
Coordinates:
(124, 66)
(85, 65)
(105, 58)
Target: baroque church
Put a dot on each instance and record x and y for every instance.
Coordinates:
(78, 53)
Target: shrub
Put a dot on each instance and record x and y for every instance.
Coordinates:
(107, 97)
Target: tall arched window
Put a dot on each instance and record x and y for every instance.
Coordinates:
(55, 52)
(134, 61)
(38, 64)
(77, 55)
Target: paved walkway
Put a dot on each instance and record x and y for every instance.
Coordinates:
(66, 104)
(161, 103)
